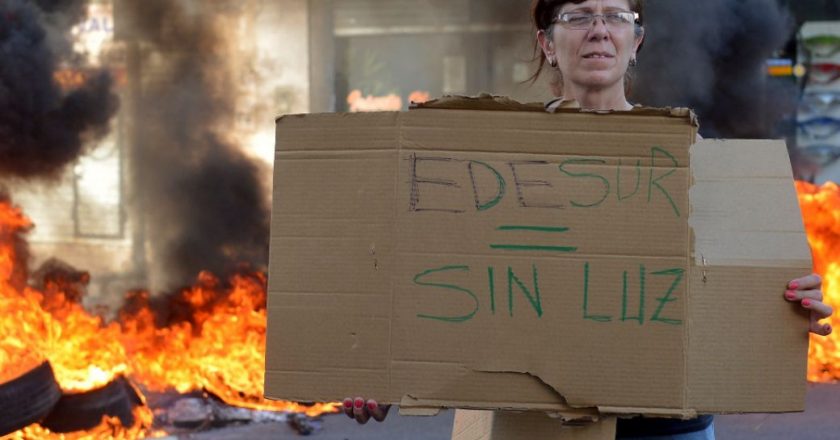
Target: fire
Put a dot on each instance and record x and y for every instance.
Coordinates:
(110, 428)
(217, 346)
(16, 357)
(821, 211)
(361, 103)
(69, 78)
(12, 222)
(358, 102)
(213, 340)
(23, 318)
(49, 325)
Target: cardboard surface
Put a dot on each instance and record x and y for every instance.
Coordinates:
(515, 259)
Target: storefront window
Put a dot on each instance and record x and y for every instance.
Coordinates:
(392, 53)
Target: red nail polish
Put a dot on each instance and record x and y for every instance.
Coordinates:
(372, 406)
(794, 285)
(348, 403)
(806, 302)
(790, 295)
(360, 403)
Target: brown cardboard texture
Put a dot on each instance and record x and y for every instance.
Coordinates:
(499, 425)
(516, 259)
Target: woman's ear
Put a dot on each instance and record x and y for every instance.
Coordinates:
(640, 38)
(546, 44)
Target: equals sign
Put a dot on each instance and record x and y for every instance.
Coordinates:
(532, 247)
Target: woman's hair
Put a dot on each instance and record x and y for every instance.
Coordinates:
(543, 14)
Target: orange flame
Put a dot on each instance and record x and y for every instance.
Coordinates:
(220, 348)
(23, 318)
(215, 340)
(110, 428)
(73, 78)
(821, 212)
(69, 79)
(48, 325)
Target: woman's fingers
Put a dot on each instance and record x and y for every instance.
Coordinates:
(360, 412)
(377, 411)
(806, 291)
(347, 406)
(799, 295)
(818, 328)
(812, 281)
(818, 309)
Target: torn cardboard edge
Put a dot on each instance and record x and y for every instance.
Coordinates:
(561, 410)
(487, 102)
(412, 406)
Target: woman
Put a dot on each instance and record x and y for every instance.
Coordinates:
(589, 46)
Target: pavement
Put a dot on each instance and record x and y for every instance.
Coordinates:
(821, 420)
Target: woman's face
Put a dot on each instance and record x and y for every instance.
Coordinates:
(595, 57)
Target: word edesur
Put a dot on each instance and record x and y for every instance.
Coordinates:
(605, 185)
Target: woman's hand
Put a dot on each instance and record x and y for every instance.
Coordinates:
(363, 410)
(806, 291)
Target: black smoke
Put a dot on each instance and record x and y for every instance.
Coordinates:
(203, 199)
(710, 55)
(42, 128)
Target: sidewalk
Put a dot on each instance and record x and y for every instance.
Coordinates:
(821, 420)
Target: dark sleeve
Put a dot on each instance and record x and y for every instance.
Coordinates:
(647, 427)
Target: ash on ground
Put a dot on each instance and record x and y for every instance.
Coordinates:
(184, 414)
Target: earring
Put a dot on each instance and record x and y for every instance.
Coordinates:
(633, 62)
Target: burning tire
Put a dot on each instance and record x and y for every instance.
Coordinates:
(82, 411)
(28, 399)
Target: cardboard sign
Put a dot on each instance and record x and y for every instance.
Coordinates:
(517, 259)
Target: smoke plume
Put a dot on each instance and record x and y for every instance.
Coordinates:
(202, 198)
(42, 129)
(710, 55)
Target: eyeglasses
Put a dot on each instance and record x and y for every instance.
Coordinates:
(820, 102)
(822, 45)
(584, 20)
(824, 73)
(819, 128)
